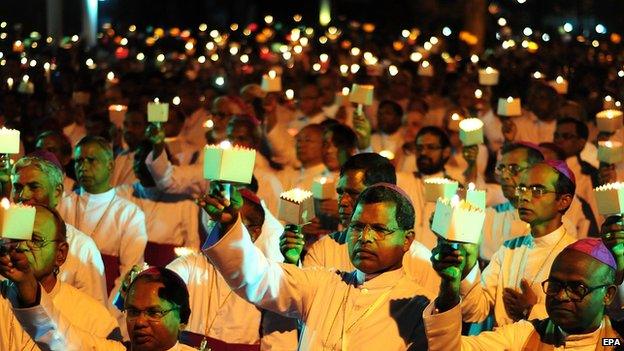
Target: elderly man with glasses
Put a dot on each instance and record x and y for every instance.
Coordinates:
(510, 284)
(581, 283)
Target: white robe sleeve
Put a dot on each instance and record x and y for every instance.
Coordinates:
(282, 288)
(444, 333)
(133, 242)
(176, 179)
(50, 330)
(479, 291)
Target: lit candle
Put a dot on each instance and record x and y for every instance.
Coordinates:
(610, 198)
(387, 154)
(471, 131)
(609, 120)
(509, 107)
(425, 69)
(271, 82)
(610, 152)
(9, 141)
(324, 188)
(560, 85)
(10, 83)
(16, 220)
(608, 103)
(362, 95)
(475, 197)
(157, 112)
(439, 188)
(458, 220)
(296, 206)
(453, 124)
(116, 114)
(229, 163)
(488, 76)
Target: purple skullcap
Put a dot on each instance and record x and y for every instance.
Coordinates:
(562, 167)
(393, 187)
(595, 248)
(47, 156)
(530, 145)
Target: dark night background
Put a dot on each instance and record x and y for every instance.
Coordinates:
(389, 14)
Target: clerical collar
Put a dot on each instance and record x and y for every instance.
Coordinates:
(551, 238)
(105, 196)
(384, 279)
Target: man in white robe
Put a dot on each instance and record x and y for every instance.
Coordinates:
(37, 179)
(116, 225)
(510, 284)
(580, 284)
(31, 269)
(218, 314)
(373, 307)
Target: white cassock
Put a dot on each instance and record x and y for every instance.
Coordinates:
(19, 324)
(502, 223)
(115, 224)
(216, 311)
(444, 333)
(68, 185)
(524, 257)
(532, 129)
(123, 172)
(190, 180)
(391, 142)
(171, 221)
(339, 311)
(83, 268)
(331, 251)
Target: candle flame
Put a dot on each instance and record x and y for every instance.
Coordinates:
(608, 98)
(209, 124)
(608, 144)
(559, 80)
(455, 117)
(272, 74)
(345, 91)
(478, 94)
(225, 144)
(387, 154)
(471, 186)
(510, 99)
(489, 70)
(455, 200)
(323, 180)
(5, 203)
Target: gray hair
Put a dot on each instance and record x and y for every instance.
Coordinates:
(54, 174)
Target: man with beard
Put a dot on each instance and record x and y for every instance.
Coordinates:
(581, 284)
(509, 285)
(433, 150)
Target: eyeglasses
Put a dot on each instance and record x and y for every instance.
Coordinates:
(576, 291)
(513, 169)
(152, 314)
(428, 147)
(38, 244)
(379, 232)
(536, 191)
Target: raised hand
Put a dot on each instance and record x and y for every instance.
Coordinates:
(14, 266)
(518, 305)
(217, 204)
(291, 243)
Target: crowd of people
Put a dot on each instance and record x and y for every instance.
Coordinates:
(132, 248)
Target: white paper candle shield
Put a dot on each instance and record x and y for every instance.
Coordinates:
(16, 220)
(296, 206)
(610, 152)
(509, 107)
(471, 131)
(457, 220)
(362, 94)
(609, 120)
(9, 141)
(324, 188)
(610, 198)
(439, 187)
(560, 84)
(271, 83)
(229, 163)
(475, 197)
(157, 112)
(488, 76)
(116, 114)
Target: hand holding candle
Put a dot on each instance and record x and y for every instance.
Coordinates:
(362, 95)
(296, 206)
